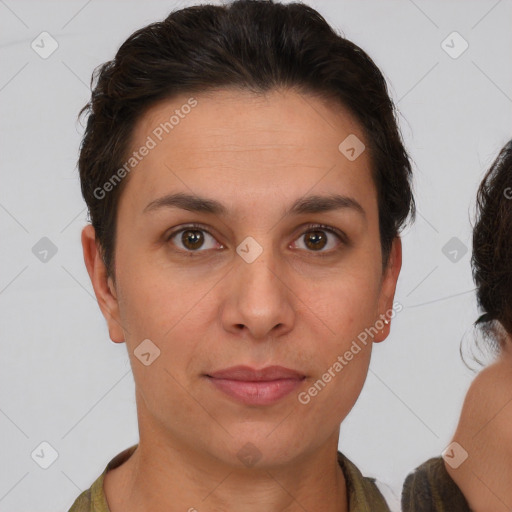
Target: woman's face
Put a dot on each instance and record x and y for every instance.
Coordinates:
(250, 283)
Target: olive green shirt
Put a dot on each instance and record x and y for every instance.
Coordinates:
(431, 489)
(363, 495)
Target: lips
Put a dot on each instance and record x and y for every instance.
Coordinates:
(256, 387)
(249, 374)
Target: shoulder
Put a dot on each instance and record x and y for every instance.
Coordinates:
(429, 488)
(484, 433)
(363, 493)
(82, 503)
(487, 399)
(93, 499)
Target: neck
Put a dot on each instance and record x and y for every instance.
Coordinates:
(484, 432)
(161, 476)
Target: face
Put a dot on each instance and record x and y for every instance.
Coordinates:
(269, 256)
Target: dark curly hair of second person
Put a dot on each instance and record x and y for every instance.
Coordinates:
(492, 245)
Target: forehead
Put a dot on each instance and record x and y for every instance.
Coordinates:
(245, 144)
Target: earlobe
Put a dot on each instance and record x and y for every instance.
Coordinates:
(104, 288)
(383, 333)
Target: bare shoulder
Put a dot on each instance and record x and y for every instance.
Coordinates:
(488, 402)
(484, 432)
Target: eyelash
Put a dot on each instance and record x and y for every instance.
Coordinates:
(310, 227)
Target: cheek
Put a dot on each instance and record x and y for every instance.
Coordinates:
(341, 313)
(347, 306)
(332, 393)
(153, 299)
(167, 308)
(154, 310)
(349, 309)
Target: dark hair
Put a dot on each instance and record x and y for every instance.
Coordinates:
(254, 45)
(492, 246)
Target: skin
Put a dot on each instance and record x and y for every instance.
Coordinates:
(256, 154)
(484, 432)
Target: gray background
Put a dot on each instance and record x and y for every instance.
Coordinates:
(61, 379)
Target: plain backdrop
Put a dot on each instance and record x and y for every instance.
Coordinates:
(63, 382)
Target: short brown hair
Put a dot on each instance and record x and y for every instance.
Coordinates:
(256, 45)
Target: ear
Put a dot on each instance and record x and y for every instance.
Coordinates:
(103, 285)
(388, 287)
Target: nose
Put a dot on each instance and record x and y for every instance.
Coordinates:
(259, 301)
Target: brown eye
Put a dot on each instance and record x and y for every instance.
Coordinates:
(193, 239)
(321, 239)
(315, 240)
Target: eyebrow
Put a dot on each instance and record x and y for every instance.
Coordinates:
(304, 205)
